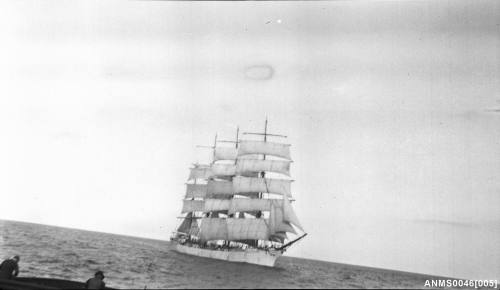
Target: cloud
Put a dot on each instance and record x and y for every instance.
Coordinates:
(259, 72)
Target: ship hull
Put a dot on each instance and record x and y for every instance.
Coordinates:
(253, 256)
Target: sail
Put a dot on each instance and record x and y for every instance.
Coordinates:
(250, 156)
(186, 224)
(248, 186)
(286, 227)
(199, 172)
(192, 205)
(219, 187)
(223, 169)
(269, 185)
(225, 153)
(277, 223)
(196, 190)
(233, 229)
(217, 204)
(249, 204)
(263, 147)
(213, 229)
(242, 229)
(289, 214)
(279, 166)
(195, 229)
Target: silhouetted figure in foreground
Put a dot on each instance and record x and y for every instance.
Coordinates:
(9, 268)
(96, 282)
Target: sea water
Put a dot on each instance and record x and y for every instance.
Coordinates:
(131, 262)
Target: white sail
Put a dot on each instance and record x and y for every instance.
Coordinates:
(289, 214)
(213, 229)
(243, 229)
(277, 223)
(225, 153)
(196, 190)
(192, 205)
(269, 185)
(199, 172)
(223, 170)
(250, 156)
(217, 204)
(279, 166)
(263, 147)
(250, 204)
(233, 229)
(219, 187)
(286, 227)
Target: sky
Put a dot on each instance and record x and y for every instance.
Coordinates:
(392, 109)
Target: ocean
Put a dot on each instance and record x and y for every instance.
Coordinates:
(132, 262)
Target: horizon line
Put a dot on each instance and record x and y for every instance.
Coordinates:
(289, 256)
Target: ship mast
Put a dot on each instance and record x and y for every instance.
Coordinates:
(213, 161)
(204, 146)
(235, 160)
(192, 215)
(262, 173)
(265, 134)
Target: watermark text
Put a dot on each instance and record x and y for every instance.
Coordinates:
(448, 283)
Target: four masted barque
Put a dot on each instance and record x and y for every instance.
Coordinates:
(238, 207)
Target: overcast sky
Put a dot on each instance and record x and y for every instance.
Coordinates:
(392, 110)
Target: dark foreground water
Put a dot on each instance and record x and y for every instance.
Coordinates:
(130, 262)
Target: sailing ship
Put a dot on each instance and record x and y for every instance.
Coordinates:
(238, 207)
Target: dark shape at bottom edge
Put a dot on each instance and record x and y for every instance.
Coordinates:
(33, 283)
